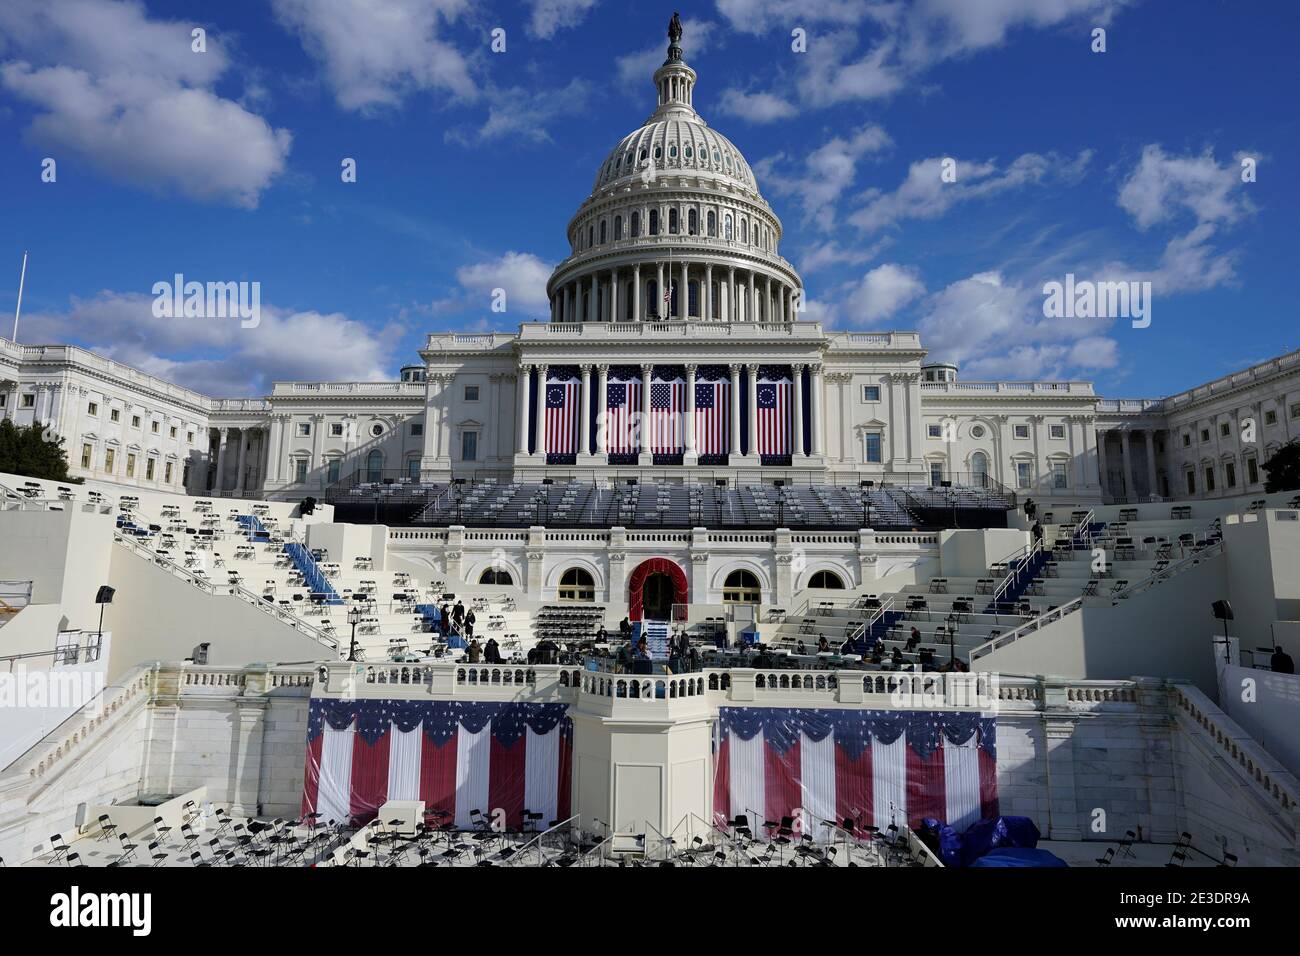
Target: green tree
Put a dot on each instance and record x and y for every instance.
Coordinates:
(26, 451)
(1283, 468)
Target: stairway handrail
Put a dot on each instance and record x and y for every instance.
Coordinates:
(865, 626)
(1010, 637)
(1014, 568)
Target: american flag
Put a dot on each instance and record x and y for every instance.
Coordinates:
(774, 410)
(712, 417)
(563, 406)
(623, 418)
(667, 422)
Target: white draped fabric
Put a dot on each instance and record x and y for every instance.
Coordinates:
(540, 783)
(334, 796)
(748, 775)
(817, 780)
(404, 753)
(961, 770)
(889, 782)
(473, 760)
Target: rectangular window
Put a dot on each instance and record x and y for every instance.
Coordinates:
(1187, 439)
(189, 437)
(1056, 431)
(469, 446)
(135, 421)
(1230, 475)
(115, 415)
(1205, 434)
(1059, 479)
(300, 469)
(1209, 479)
(1224, 429)
(167, 473)
(148, 469)
(1295, 410)
(417, 429)
(1024, 474)
(871, 393)
(304, 429)
(171, 432)
(1191, 482)
(471, 393)
(3, 399)
(1021, 431)
(29, 401)
(130, 466)
(332, 471)
(934, 431)
(92, 408)
(85, 456)
(1270, 417)
(109, 456)
(1252, 471)
(936, 473)
(413, 468)
(154, 427)
(873, 448)
(336, 429)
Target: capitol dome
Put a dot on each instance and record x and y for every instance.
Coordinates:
(675, 226)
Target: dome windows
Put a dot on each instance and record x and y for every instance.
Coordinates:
(672, 222)
(659, 152)
(654, 222)
(591, 236)
(641, 155)
(602, 232)
(690, 153)
(744, 230)
(712, 221)
(672, 151)
(618, 228)
(717, 158)
(692, 222)
(636, 225)
(726, 227)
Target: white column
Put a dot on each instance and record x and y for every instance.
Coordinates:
(541, 408)
(645, 415)
(659, 293)
(317, 439)
(796, 426)
(613, 296)
(584, 426)
(731, 313)
(753, 404)
(602, 399)
(1151, 462)
(815, 381)
(243, 451)
(636, 294)
(767, 299)
(221, 459)
(1101, 462)
(734, 449)
(592, 305)
(690, 412)
(524, 380)
(1128, 462)
(751, 301)
(684, 294)
(707, 307)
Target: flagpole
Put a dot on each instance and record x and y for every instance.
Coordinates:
(22, 276)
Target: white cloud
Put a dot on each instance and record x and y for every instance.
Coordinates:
(376, 52)
(126, 93)
(1162, 185)
(216, 356)
(521, 274)
(832, 75)
(523, 115)
(829, 253)
(825, 173)
(883, 291)
(924, 193)
(756, 107)
(551, 16)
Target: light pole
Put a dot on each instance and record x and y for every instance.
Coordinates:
(354, 618)
(952, 641)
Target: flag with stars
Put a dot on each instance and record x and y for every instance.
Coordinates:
(877, 768)
(623, 417)
(667, 424)
(563, 409)
(458, 757)
(774, 397)
(713, 417)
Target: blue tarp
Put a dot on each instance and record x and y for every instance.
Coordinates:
(943, 840)
(987, 835)
(1018, 856)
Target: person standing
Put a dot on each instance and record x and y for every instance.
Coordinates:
(469, 623)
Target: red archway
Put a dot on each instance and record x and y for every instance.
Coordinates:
(681, 590)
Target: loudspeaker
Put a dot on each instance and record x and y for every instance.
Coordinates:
(1222, 611)
(309, 505)
(104, 595)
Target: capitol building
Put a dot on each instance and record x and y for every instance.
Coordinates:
(674, 576)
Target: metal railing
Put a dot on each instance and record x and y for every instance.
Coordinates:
(1016, 564)
(1029, 627)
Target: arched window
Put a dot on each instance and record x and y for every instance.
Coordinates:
(375, 465)
(672, 151)
(741, 587)
(591, 236)
(659, 152)
(726, 226)
(692, 222)
(690, 153)
(642, 155)
(494, 576)
(602, 232)
(654, 222)
(636, 224)
(576, 585)
(672, 222)
(711, 220)
(744, 230)
(618, 228)
(826, 579)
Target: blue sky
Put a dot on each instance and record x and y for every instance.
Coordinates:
(225, 166)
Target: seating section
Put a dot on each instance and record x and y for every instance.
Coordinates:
(952, 616)
(564, 623)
